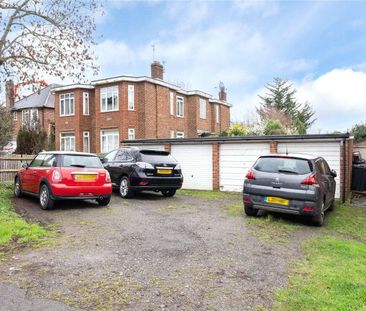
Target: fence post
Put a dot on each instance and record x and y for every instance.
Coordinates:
(216, 166)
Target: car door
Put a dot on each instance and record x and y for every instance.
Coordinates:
(31, 175)
(118, 165)
(331, 182)
(324, 180)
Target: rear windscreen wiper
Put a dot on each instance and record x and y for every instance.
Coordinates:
(77, 165)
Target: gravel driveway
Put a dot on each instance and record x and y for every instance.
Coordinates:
(150, 253)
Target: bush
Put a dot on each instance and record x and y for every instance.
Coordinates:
(359, 131)
(274, 127)
(31, 139)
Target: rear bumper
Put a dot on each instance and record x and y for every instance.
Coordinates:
(284, 210)
(155, 183)
(63, 192)
(104, 196)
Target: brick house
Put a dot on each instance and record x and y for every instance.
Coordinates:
(39, 105)
(96, 117)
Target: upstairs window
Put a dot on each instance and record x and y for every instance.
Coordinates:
(180, 106)
(29, 117)
(109, 99)
(67, 107)
(171, 101)
(202, 108)
(85, 103)
(131, 97)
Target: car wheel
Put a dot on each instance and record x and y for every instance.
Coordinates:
(318, 220)
(104, 201)
(168, 192)
(250, 211)
(45, 198)
(124, 188)
(17, 188)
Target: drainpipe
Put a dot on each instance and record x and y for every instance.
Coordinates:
(344, 172)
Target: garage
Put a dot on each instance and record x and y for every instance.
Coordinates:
(235, 161)
(329, 150)
(196, 162)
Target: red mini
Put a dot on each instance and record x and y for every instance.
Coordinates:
(64, 175)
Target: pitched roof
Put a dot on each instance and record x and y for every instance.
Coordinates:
(43, 98)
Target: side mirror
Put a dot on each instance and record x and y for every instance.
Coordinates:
(103, 160)
(333, 173)
(25, 165)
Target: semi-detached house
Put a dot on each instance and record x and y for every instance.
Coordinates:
(96, 117)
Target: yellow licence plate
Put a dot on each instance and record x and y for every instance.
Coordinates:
(86, 177)
(164, 172)
(276, 200)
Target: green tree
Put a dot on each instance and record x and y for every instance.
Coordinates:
(237, 129)
(359, 131)
(274, 127)
(31, 138)
(281, 96)
(6, 126)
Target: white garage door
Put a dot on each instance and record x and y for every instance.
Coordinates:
(196, 162)
(150, 147)
(330, 151)
(235, 161)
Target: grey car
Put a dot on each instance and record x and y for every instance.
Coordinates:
(292, 184)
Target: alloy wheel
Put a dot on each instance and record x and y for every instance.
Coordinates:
(123, 188)
(44, 196)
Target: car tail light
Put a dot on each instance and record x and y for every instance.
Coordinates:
(107, 177)
(310, 180)
(56, 175)
(247, 200)
(308, 208)
(250, 175)
(143, 182)
(144, 165)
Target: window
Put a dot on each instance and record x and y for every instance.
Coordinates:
(29, 116)
(86, 142)
(85, 103)
(131, 133)
(49, 160)
(217, 114)
(202, 108)
(180, 135)
(37, 161)
(109, 140)
(67, 142)
(283, 165)
(15, 116)
(109, 99)
(78, 160)
(131, 97)
(67, 104)
(172, 134)
(171, 101)
(124, 155)
(110, 156)
(180, 106)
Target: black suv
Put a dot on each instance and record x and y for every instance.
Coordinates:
(133, 170)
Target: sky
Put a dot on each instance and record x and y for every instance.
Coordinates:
(320, 46)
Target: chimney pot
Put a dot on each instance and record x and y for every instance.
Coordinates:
(222, 95)
(157, 70)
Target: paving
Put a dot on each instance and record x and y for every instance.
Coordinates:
(145, 253)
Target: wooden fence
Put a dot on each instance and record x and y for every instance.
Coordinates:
(10, 164)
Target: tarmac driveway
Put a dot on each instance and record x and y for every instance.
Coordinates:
(146, 253)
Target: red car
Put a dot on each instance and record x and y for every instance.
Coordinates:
(62, 175)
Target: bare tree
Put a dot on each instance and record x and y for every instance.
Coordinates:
(46, 37)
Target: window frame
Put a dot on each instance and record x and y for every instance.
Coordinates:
(71, 103)
(203, 109)
(30, 112)
(180, 110)
(86, 134)
(131, 97)
(115, 98)
(130, 131)
(104, 133)
(171, 103)
(15, 115)
(86, 105)
(68, 135)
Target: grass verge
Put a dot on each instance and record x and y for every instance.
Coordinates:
(210, 195)
(332, 277)
(13, 228)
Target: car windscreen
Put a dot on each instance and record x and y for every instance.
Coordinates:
(286, 165)
(72, 160)
(152, 156)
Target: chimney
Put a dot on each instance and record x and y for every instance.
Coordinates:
(157, 70)
(9, 94)
(222, 94)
